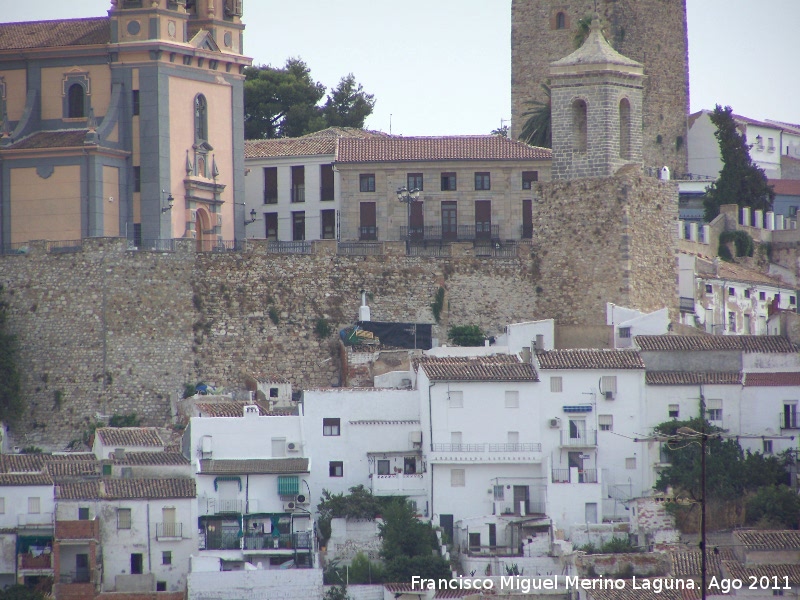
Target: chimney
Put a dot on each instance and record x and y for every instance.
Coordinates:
(363, 311)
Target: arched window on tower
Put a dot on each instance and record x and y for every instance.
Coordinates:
(579, 125)
(76, 101)
(561, 21)
(200, 118)
(624, 129)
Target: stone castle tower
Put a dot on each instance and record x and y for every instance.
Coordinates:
(652, 32)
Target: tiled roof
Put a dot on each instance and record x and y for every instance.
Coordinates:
(733, 273)
(64, 32)
(790, 127)
(226, 409)
(786, 187)
(698, 343)
(589, 359)
(501, 367)
(397, 149)
(76, 468)
(150, 458)
(78, 490)
(254, 466)
(69, 138)
(769, 540)
(691, 378)
(313, 144)
(129, 436)
(18, 463)
(771, 379)
(688, 564)
(11, 479)
(739, 571)
(629, 593)
(120, 489)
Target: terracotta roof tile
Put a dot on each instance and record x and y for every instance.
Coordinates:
(313, 144)
(629, 593)
(130, 436)
(699, 343)
(589, 359)
(149, 488)
(739, 571)
(65, 469)
(18, 463)
(227, 409)
(769, 540)
(688, 564)
(150, 458)
(691, 378)
(63, 32)
(396, 148)
(11, 479)
(786, 187)
(70, 138)
(78, 490)
(771, 379)
(255, 466)
(732, 272)
(501, 367)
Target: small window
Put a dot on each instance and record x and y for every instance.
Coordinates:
(674, 411)
(483, 181)
(732, 322)
(777, 298)
(76, 99)
(767, 446)
(409, 465)
(366, 182)
(457, 478)
(123, 518)
(731, 291)
(561, 21)
(200, 118)
(137, 563)
(605, 422)
(792, 300)
(34, 507)
(331, 427)
(499, 492)
(83, 513)
(714, 410)
(383, 467)
(762, 295)
(106, 470)
(609, 384)
(630, 463)
(512, 399)
(137, 179)
(709, 289)
(455, 399)
(448, 182)
(624, 332)
(161, 586)
(273, 392)
(747, 292)
(528, 178)
(166, 557)
(336, 468)
(556, 384)
(135, 102)
(414, 180)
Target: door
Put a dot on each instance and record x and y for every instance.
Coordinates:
(521, 499)
(326, 182)
(474, 541)
(449, 221)
(417, 221)
(271, 226)
(575, 460)
(298, 226)
(591, 512)
(328, 218)
(298, 184)
(446, 523)
(368, 228)
(168, 522)
(492, 535)
(270, 185)
(483, 219)
(136, 564)
(577, 431)
(81, 568)
(527, 219)
(790, 416)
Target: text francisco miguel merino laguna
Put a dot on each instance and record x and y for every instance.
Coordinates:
(553, 582)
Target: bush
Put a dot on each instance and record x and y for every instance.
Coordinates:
(438, 304)
(322, 328)
(741, 241)
(774, 507)
(466, 335)
(129, 420)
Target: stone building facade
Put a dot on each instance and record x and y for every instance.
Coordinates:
(652, 32)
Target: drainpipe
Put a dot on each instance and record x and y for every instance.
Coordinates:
(430, 429)
(149, 558)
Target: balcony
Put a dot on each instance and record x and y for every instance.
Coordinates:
(219, 506)
(79, 576)
(78, 530)
(397, 483)
(789, 420)
(29, 562)
(574, 475)
(167, 531)
(285, 541)
(369, 233)
(582, 438)
(298, 193)
(686, 305)
(520, 508)
(35, 521)
(465, 233)
(487, 453)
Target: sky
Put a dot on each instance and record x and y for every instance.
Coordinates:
(443, 67)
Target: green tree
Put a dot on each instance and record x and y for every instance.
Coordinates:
(20, 592)
(466, 335)
(348, 105)
(409, 546)
(502, 131)
(537, 129)
(774, 506)
(12, 405)
(360, 503)
(740, 182)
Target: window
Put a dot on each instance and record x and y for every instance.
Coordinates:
(556, 384)
(137, 179)
(767, 444)
(731, 291)
(298, 184)
(732, 322)
(448, 182)
(273, 392)
(136, 564)
(161, 586)
(34, 506)
(499, 492)
(457, 478)
(483, 181)
(714, 410)
(605, 422)
(455, 399)
(624, 129)
(747, 292)
(271, 226)
(366, 182)
(762, 295)
(561, 21)
(2, 506)
(579, 125)
(630, 463)
(200, 118)
(449, 220)
(299, 226)
(328, 221)
(76, 101)
(326, 190)
(608, 383)
(709, 289)
(331, 427)
(409, 465)
(512, 399)
(123, 518)
(166, 557)
(528, 177)
(673, 411)
(107, 468)
(135, 102)
(777, 592)
(625, 333)
(383, 467)
(368, 221)
(414, 180)
(336, 468)
(270, 185)
(83, 513)
(792, 300)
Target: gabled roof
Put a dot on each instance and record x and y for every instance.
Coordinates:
(772, 379)
(589, 359)
(733, 273)
(701, 343)
(500, 367)
(313, 144)
(14, 479)
(738, 571)
(769, 540)
(76, 468)
(688, 563)
(788, 127)
(132, 489)
(150, 458)
(68, 138)
(405, 149)
(692, 378)
(78, 490)
(253, 466)
(63, 32)
(19, 463)
(129, 436)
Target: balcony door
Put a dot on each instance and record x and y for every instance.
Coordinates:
(790, 416)
(483, 219)
(417, 221)
(168, 520)
(577, 430)
(449, 221)
(522, 499)
(81, 568)
(368, 229)
(527, 219)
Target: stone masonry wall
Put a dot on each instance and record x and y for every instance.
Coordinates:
(652, 32)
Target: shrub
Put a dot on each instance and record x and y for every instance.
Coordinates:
(438, 304)
(466, 335)
(322, 328)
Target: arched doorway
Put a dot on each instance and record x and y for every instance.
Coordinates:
(205, 240)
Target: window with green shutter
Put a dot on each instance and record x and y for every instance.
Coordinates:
(288, 485)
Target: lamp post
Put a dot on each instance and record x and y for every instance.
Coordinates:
(407, 197)
(252, 218)
(170, 203)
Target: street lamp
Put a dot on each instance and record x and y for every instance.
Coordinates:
(252, 218)
(407, 197)
(170, 203)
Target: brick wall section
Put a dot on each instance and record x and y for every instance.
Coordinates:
(652, 32)
(78, 530)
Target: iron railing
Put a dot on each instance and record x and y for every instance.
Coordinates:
(424, 249)
(278, 247)
(459, 447)
(169, 530)
(368, 233)
(270, 197)
(460, 232)
(64, 246)
(228, 246)
(583, 437)
(359, 248)
(496, 249)
(686, 304)
(526, 232)
(534, 447)
(584, 476)
(284, 541)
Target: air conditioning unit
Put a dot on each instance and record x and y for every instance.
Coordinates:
(609, 395)
(301, 499)
(555, 423)
(289, 506)
(293, 447)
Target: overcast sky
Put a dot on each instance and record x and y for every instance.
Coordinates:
(440, 67)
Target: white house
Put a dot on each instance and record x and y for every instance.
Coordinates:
(130, 439)
(628, 322)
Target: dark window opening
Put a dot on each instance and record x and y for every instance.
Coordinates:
(528, 178)
(483, 181)
(135, 102)
(83, 513)
(136, 564)
(271, 226)
(561, 21)
(270, 185)
(328, 221)
(331, 427)
(137, 179)
(366, 182)
(298, 184)
(336, 468)
(326, 190)
(298, 226)
(368, 226)
(414, 180)
(448, 182)
(200, 118)
(76, 101)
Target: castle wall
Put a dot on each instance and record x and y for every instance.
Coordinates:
(652, 32)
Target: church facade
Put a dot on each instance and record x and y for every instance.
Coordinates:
(127, 125)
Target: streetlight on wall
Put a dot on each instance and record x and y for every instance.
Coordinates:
(170, 203)
(252, 218)
(407, 196)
